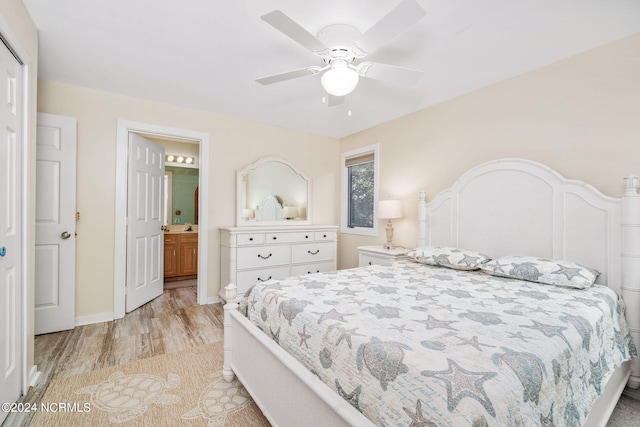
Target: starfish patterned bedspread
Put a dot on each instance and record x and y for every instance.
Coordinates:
(415, 345)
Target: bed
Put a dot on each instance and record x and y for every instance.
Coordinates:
(499, 208)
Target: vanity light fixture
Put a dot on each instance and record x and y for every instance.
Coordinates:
(389, 209)
(174, 158)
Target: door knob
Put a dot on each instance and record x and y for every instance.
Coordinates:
(3, 251)
(65, 235)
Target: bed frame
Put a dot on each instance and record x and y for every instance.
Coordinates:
(503, 207)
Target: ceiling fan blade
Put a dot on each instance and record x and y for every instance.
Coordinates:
(288, 75)
(333, 100)
(405, 14)
(389, 73)
(289, 27)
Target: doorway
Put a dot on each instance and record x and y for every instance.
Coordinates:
(124, 128)
(180, 208)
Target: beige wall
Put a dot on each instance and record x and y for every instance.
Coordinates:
(16, 26)
(233, 144)
(581, 116)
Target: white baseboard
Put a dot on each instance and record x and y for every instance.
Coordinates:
(94, 318)
(212, 300)
(34, 375)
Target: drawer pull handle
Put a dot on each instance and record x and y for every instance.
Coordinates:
(274, 237)
(324, 235)
(370, 263)
(251, 239)
(314, 253)
(306, 237)
(264, 257)
(311, 272)
(264, 280)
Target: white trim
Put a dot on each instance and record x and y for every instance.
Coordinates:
(23, 56)
(344, 194)
(168, 214)
(120, 232)
(34, 376)
(94, 318)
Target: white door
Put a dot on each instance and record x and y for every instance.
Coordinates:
(145, 218)
(55, 278)
(11, 257)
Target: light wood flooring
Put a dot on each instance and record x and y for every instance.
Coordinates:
(170, 323)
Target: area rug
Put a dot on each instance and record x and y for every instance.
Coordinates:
(177, 389)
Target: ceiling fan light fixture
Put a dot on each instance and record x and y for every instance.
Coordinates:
(340, 80)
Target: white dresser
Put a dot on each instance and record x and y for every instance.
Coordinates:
(249, 255)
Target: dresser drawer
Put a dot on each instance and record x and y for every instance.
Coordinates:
(318, 267)
(376, 255)
(246, 279)
(365, 260)
(299, 237)
(325, 235)
(250, 239)
(288, 237)
(263, 256)
(312, 252)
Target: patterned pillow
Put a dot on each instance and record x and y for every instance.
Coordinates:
(541, 270)
(458, 259)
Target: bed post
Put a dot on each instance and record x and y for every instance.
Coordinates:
(230, 296)
(630, 284)
(422, 219)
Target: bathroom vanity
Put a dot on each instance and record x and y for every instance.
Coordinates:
(180, 255)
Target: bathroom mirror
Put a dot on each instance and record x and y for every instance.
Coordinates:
(180, 202)
(271, 191)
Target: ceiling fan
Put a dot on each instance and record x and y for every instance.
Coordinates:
(342, 46)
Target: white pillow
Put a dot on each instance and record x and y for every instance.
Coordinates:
(457, 259)
(542, 270)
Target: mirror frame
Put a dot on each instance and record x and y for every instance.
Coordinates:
(239, 202)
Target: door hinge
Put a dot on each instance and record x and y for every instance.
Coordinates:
(77, 216)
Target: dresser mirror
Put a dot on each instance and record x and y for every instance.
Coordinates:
(272, 191)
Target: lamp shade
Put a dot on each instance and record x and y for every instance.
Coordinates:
(389, 209)
(247, 213)
(340, 80)
(290, 212)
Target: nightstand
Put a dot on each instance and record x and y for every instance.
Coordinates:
(371, 255)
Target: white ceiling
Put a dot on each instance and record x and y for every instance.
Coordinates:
(206, 55)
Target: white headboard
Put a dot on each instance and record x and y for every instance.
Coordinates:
(520, 207)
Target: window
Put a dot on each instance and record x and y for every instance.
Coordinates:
(360, 191)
